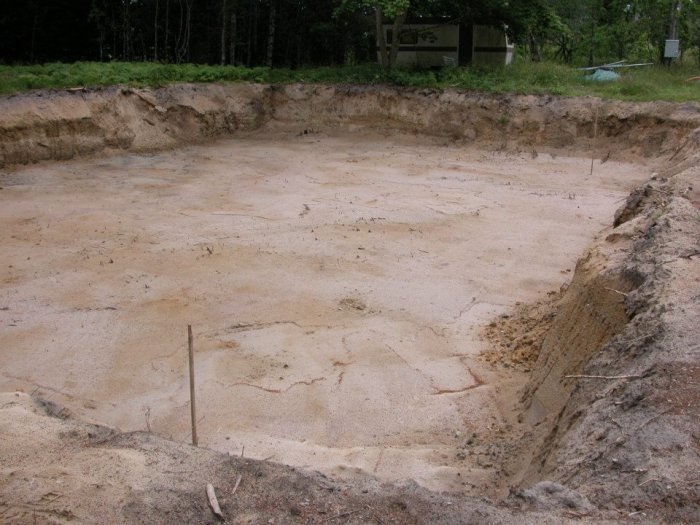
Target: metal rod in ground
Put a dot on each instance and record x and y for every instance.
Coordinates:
(193, 409)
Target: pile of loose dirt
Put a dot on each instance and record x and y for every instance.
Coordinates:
(516, 337)
(56, 469)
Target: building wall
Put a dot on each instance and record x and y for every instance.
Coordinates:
(426, 45)
(491, 46)
(431, 45)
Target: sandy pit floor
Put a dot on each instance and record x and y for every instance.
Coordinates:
(336, 286)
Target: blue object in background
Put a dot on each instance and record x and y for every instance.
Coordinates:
(603, 75)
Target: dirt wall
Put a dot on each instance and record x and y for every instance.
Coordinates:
(64, 124)
(505, 121)
(614, 393)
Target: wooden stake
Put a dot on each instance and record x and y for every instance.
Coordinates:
(238, 482)
(603, 377)
(595, 136)
(617, 292)
(193, 409)
(213, 501)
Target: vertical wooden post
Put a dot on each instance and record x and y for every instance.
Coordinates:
(193, 409)
(595, 136)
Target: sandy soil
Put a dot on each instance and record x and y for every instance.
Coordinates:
(59, 470)
(336, 286)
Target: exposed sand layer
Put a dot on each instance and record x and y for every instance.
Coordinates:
(59, 470)
(59, 125)
(336, 285)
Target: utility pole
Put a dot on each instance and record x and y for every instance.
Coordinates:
(671, 52)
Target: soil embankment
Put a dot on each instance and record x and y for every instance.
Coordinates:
(613, 395)
(608, 417)
(65, 124)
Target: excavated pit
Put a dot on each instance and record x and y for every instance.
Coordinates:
(335, 283)
(338, 260)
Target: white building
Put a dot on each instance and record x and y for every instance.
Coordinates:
(490, 45)
(432, 45)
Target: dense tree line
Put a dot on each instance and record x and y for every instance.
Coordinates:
(243, 32)
(294, 33)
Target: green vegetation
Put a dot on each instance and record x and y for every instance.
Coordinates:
(640, 84)
(156, 42)
(90, 74)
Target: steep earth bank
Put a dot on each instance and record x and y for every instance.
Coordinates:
(65, 124)
(612, 402)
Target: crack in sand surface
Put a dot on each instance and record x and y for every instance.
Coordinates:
(273, 390)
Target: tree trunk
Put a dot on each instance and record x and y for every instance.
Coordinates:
(101, 44)
(113, 20)
(125, 32)
(248, 59)
(381, 38)
(673, 22)
(167, 29)
(35, 24)
(535, 55)
(234, 35)
(271, 34)
(223, 31)
(155, 32)
(188, 28)
(591, 51)
(254, 37)
(396, 41)
(178, 40)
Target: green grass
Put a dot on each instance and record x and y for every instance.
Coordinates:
(639, 84)
(15, 79)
